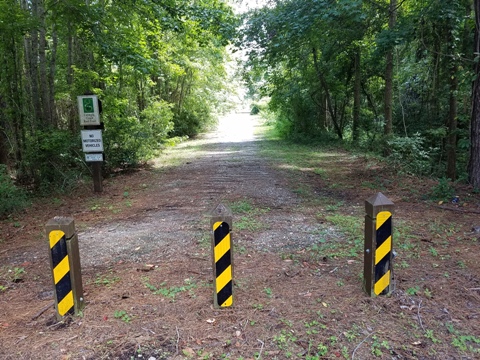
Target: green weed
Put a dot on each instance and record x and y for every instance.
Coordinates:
(172, 291)
(378, 346)
(106, 280)
(268, 292)
(429, 335)
(413, 290)
(122, 315)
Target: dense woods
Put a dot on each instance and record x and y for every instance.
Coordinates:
(157, 67)
(390, 76)
(397, 77)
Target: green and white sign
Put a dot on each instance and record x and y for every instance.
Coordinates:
(88, 110)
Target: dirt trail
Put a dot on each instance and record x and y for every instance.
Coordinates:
(292, 300)
(225, 167)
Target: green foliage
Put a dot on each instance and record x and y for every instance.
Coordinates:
(303, 58)
(413, 290)
(157, 67)
(129, 140)
(12, 198)
(54, 161)
(172, 291)
(444, 190)
(409, 155)
(122, 315)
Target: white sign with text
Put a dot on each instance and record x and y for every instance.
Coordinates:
(92, 141)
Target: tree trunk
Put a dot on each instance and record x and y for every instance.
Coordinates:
(474, 161)
(388, 128)
(51, 77)
(452, 125)
(356, 96)
(323, 82)
(42, 65)
(33, 68)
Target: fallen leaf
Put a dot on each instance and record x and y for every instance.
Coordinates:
(324, 304)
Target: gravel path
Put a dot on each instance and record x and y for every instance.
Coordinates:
(222, 167)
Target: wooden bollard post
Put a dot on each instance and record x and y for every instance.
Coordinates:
(378, 255)
(65, 265)
(222, 255)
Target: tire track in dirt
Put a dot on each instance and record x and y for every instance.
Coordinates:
(225, 167)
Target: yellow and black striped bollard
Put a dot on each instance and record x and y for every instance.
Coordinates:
(65, 266)
(378, 255)
(61, 273)
(221, 224)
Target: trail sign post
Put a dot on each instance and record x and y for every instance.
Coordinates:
(89, 108)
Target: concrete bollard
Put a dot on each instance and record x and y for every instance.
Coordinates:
(222, 255)
(65, 266)
(378, 255)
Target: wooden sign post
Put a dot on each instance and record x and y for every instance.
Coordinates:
(89, 108)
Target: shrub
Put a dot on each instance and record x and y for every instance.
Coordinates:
(408, 154)
(130, 138)
(12, 198)
(54, 160)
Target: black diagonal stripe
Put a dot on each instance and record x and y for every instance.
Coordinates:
(384, 231)
(63, 287)
(220, 232)
(59, 251)
(382, 267)
(225, 293)
(223, 263)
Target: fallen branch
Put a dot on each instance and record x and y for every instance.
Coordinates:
(37, 315)
(418, 315)
(356, 348)
(261, 349)
(458, 210)
(178, 339)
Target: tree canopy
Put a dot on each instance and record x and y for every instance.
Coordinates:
(392, 75)
(156, 66)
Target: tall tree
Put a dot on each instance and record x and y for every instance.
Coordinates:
(474, 161)
(388, 104)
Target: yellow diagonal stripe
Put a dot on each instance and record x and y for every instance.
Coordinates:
(382, 217)
(227, 302)
(61, 269)
(224, 278)
(55, 237)
(222, 247)
(66, 304)
(382, 283)
(383, 250)
(217, 224)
